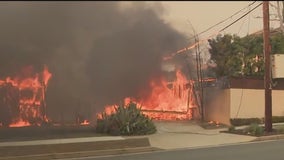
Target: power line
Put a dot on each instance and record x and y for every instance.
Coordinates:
(241, 98)
(240, 103)
(241, 26)
(197, 43)
(240, 18)
(225, 19)
(248, 22)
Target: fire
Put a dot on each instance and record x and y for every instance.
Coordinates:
(46, 75)
(20, 123)
(217, 123)
(167, 101)
(85, 122)
(24, 98)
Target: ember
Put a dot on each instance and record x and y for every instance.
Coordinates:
(23, 99)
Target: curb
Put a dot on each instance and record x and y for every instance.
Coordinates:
(69, 150)
(272, 137)
(82, 154)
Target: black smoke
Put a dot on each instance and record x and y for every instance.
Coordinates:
(98, 52)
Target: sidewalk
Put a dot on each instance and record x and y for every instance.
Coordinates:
(170, 135)
(174, 135)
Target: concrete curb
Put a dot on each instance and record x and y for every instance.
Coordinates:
(69, 150)
(81, 154)
(272, 137)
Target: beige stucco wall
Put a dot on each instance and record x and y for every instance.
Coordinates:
(223, 104)
(249, 103)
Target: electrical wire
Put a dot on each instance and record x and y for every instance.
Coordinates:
(240, 17)
(240, 104)
(248, 22)
(224, 19)
(199, 42)
(241, 26)
(241, 98)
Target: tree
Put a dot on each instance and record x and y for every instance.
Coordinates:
(225, 54)
(237, 56)
(277, 44)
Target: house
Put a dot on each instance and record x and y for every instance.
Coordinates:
(244, 97)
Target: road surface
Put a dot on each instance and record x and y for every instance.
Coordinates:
(265, 150)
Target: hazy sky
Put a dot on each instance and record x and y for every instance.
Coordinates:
(204, 14)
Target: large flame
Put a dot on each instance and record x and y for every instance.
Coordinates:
(167, 101)
(24, 98)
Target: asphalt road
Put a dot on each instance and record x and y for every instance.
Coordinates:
(265, 150)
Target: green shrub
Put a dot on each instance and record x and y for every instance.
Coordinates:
(231, 129)
(127, 120)
(277, 119)
(254, 129)
(248, 121)
(245, 121)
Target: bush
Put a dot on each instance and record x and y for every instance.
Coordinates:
(277, 119)
(255, 130)
(231, 129)
(248, 121)
(245, 121)
(127, 120)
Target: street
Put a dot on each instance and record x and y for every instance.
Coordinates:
(265, 150)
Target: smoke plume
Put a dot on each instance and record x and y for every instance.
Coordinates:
(98, 52)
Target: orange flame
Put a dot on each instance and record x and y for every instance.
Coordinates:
(30, 97)
(20, 123)
(164, 102)
(85, 122)
(46, 75)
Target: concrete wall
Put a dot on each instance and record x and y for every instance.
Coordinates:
(249, 103)
(223, 104)
(217, 105)
(278, 103)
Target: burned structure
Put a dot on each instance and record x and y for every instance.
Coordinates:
(23, 100)
(98, 54)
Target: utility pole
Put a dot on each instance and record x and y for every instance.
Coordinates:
(200, 62)
(199, 74)
(267, 71)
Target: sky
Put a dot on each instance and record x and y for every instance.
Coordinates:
(204, 14)
(190, 17)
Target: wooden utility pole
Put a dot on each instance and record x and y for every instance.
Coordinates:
(267, 71)
(199, 75)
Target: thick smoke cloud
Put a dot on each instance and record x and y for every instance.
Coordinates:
(97, 52)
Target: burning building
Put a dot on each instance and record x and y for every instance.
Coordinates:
(98, 54)
(23, 99)
(171, 97)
